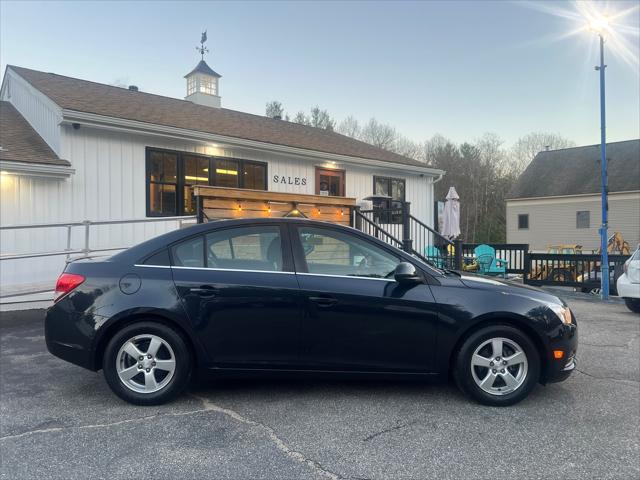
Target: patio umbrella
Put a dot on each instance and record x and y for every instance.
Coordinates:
(451, 222)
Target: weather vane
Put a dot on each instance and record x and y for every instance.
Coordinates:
(202, 49)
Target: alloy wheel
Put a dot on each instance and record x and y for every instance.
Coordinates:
(499, 366)
(145, 363)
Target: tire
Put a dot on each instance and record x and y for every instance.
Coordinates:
(142, 380)
(633, 304)
(501, 389)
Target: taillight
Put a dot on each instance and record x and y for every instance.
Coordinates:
(66, 283)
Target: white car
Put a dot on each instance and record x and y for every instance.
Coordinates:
(629, 283)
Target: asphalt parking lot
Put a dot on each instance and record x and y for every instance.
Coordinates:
(60, 421)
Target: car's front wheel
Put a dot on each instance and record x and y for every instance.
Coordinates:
(497, 365)
(147, 363)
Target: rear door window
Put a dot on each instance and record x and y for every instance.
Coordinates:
(245, 248)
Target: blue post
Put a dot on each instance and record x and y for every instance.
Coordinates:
(604, 260)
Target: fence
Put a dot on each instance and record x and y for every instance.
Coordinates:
(399, 228)
(513, 253)
(86, 226)
(33, 255)
(363, 223)
(570, 270)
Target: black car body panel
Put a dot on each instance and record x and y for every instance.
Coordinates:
(254, 320)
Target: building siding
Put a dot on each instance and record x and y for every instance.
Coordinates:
(552, 221)
(109, 184)
(40, 112)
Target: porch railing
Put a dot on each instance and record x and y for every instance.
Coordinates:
(364, 223)
(570, 270)
(514, 253)
(401, 229)
(85, 225)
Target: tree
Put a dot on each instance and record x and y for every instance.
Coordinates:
(409, 148)
(301, 118)
(274, 109)
(530, 145)
(477, 171)
(350, 127)
(321, 119)
(379, 135)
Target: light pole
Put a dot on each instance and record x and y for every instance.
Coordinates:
(599, 27)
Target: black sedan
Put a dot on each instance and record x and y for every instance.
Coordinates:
(294, 296)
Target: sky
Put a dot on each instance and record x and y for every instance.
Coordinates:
(454, 68)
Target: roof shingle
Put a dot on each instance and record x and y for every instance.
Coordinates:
(20, 142)
(575, 171)
(85, 96)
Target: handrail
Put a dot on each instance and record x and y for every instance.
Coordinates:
(98, 222)
(87, 224)
(424, 225)
(377, 228)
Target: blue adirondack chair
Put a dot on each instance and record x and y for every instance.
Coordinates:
(488, 264)
(434, 255)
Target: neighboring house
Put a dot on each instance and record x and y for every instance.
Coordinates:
(75, 150)
(556, 200)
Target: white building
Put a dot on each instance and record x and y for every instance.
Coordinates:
(75, 150)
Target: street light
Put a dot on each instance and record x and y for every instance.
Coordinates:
(600, 25)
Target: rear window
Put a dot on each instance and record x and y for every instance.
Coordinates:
(159, 258)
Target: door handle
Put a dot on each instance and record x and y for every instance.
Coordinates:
(203, 291)
(324, 302)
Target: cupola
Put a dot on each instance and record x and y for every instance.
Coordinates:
(203, 85)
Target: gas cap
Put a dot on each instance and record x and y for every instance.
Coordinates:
(130, 283)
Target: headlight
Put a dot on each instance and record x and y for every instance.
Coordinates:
(563, 313)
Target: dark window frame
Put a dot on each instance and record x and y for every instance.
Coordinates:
(588, 218)
(389, 181)
(332, 172)
(523, 216)
(388, 204)
(180, 181)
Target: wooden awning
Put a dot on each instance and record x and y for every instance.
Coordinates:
(218, 203)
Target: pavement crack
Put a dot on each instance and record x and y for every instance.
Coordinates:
(273, 436)
(100, 425)
(624, 381)
(387, 430)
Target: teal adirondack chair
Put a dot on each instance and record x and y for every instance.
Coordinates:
(488, 263)
(432, 254)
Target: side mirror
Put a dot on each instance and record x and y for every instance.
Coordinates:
(406, 273)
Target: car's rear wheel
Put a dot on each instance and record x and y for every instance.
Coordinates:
(147, 363)
(633, 304)
(497, 365)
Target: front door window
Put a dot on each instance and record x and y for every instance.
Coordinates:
(329, 252)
